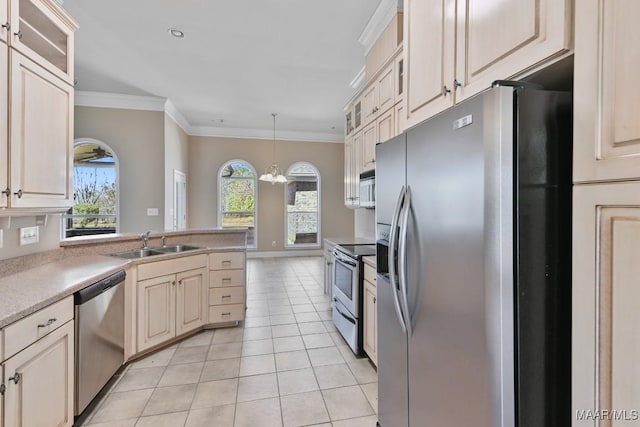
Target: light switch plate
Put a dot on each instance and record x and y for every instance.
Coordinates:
(152, 211)
(29, 235)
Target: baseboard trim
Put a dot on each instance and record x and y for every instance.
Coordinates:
(284, 254)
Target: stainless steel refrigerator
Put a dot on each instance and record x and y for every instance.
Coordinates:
(474, 263)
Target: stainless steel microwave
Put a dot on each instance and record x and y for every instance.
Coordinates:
(368, 189)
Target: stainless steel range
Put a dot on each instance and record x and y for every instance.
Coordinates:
(347, 291)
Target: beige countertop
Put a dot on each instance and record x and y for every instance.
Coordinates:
(27, 292)
(349, 240)
(127, 237)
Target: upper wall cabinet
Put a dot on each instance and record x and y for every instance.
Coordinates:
(39, 63)
(450, 57)
(606, 91)
(41, 134)
(4, 148)
(44, 33)
(4, 20)
(429, 35)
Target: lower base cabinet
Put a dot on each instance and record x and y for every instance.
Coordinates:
(226, 287)
(39, 382)
(171, 299)
(606, 295)
(370, 327)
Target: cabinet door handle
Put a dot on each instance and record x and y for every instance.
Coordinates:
(49, 323)
(19, 194)
(445, 90)
(456, 84)
(6, 26)
(226, 280)
(173, 283)
(15, 378)
(7, 192)
(18, 34)
(226, 262)
(226, 296)
(228, 313)
(374, 300)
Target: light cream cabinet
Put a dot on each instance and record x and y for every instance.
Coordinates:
(226, 287)
(4, 125)
(369, 140)
(370, 327)
(606, 296)
(156, 311)
(4, 29)
(171, 299)
(455, 49)
(191, 300)
(40, 382)
(41, 30)
(37, 377)
(353, 148)
(39, 63)
(41, 136)
(606, 91)
(329, 260)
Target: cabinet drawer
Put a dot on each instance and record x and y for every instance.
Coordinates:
(226, 313)
(370, 274)
(221, 296)
(226, 260)
(25, 332)
(225, 278)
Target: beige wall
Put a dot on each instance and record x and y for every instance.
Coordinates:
(49, 237)
(208, 154)
(137, 137)
(175, 158)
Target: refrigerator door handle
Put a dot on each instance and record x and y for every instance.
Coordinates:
(402, 259)
(393, 279)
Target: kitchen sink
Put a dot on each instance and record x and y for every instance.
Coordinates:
(138, 253)
(177, 248)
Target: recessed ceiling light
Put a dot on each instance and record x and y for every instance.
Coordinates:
(176, 33)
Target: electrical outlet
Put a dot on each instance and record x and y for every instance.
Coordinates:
(152, 211)
(273, 244)
(29, 235)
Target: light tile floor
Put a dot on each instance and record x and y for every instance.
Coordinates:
(286, 365)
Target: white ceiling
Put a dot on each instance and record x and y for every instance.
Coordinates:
(239, 61)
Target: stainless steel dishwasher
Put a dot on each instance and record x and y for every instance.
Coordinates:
(99, 325)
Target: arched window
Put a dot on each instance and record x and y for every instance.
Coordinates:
(95, 190)
(237, 197)
(302, 206)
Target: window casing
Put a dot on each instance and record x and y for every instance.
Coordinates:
(238, 198)
(95, 191)
(302, 206)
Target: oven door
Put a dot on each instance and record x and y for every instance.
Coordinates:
(345, 282)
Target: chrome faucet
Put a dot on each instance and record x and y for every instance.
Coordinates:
(145, 239)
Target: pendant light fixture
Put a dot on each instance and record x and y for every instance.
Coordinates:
(273, 173)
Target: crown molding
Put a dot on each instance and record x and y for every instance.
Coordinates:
(359, 79)
(152, 103)
(266, 134)
(118, 100)
(383, 14)
(172, 111)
